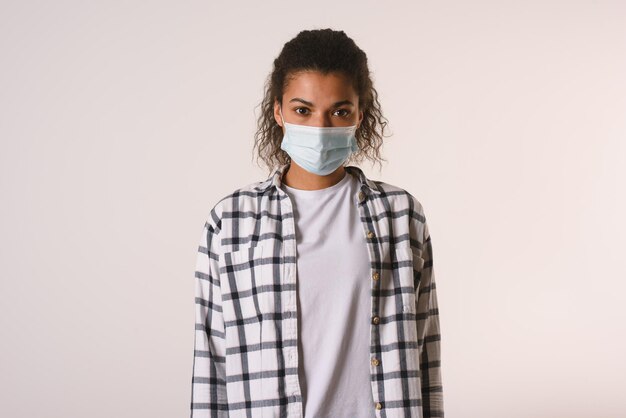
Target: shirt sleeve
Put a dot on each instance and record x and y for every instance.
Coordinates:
(428, 327)
(208, 392)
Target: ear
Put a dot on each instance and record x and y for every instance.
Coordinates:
(277, 117)
(358, 125)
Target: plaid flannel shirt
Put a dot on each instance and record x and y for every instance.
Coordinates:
(246, 348)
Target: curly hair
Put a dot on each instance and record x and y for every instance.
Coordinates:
(323, 50)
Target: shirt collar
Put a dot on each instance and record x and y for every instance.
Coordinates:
(275, 179)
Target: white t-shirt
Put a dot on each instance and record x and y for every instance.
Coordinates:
(333, 291)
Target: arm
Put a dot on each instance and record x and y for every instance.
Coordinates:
(208, 388)
(428, 329)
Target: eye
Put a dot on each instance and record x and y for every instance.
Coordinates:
(297, 110)
(345, 112)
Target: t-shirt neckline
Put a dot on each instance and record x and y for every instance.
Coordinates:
(301, 192)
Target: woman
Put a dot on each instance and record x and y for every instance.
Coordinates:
(315, 292)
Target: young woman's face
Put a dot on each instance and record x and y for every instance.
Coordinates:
(314, 99)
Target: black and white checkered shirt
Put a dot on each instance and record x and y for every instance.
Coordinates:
(246, 347)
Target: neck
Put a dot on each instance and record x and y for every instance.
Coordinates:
(299, 178)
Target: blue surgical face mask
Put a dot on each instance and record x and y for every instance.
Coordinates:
(319, 150)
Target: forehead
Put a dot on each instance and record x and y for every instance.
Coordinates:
(319, 88)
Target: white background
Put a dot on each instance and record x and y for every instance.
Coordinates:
(123, 122)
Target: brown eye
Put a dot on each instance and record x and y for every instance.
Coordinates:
(345, 112)
(301, 108)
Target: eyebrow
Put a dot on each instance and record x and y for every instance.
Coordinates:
(339, 103)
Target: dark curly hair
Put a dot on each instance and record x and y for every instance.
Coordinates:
(323, 50)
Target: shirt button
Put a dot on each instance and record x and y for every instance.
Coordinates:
(375, 275)
(361, 196)
(376, 320)
(379, 405)
(375, 361)
(370, 234)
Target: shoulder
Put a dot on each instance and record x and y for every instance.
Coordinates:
(393, 196)
(238, 201)
(400, 198)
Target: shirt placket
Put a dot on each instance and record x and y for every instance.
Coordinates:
(290, 313)
(374, 248)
